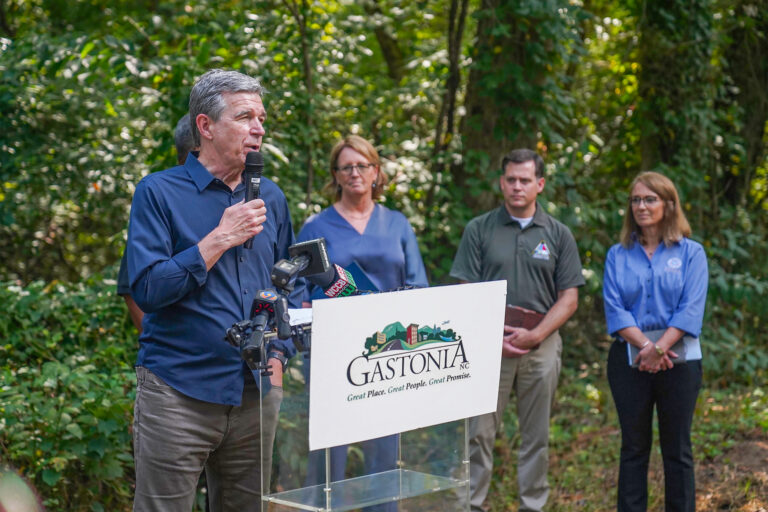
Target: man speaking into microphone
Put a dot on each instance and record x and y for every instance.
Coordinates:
(197, 403)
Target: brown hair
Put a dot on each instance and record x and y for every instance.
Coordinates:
(366, 149)
(521, 156)
(674, 225)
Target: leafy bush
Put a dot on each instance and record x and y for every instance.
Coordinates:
(66, 393)
(89, 96)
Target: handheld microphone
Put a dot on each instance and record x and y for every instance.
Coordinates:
(254, 166)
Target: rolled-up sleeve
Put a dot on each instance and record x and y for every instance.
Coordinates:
(158, 277)
(689, 313)
(617, 316)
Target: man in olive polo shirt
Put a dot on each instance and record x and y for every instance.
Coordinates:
(537, 255)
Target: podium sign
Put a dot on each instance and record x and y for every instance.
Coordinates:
(392, 362)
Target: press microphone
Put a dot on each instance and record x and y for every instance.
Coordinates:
(310, 259)
(335, 282)
(306, 258)
(254, 166)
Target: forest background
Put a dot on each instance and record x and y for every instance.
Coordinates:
(603, 89)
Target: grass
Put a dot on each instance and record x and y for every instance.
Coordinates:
(730, 436)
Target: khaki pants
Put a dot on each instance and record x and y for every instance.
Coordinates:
(533, 378)
(176, 436)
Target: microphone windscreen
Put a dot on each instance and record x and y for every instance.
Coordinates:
(254, 162)
(343, 284)
(323, 279)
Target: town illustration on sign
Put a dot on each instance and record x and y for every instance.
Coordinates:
(398, 352)
(395, 336)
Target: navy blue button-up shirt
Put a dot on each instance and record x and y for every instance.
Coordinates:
(188, 308)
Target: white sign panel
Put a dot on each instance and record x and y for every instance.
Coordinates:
(391, 362)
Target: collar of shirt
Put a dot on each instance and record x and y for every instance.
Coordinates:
(539, 217)
(202, 176)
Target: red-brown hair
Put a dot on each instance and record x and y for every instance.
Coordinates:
(674, 226)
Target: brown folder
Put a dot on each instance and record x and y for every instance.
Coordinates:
(515, 316)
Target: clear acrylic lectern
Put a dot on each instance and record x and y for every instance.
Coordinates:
(429, 469)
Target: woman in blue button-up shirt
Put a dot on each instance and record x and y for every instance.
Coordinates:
(655, 288)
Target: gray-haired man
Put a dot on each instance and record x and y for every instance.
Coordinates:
(197, 404)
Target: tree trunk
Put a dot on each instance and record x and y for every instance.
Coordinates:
(512, 89)
(674, 83)
(390, 49)
(299, 13)
(445, 126)
(675, 118)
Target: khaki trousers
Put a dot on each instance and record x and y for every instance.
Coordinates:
(533, 378)
(176, 436)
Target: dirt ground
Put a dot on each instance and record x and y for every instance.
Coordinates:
(736, 480)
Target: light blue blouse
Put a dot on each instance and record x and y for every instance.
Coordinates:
(668, 290)
(387, 251)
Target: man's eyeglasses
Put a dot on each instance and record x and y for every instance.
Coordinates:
(648, 200)
(347, 169)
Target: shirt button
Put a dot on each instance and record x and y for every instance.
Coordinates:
(245, 292)
(242, 259)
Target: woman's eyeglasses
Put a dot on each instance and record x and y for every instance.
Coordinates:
(648, 200)
(347, 169)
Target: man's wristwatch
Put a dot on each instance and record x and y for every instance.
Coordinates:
(280, 357)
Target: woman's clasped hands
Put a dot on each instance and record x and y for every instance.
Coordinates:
(651, 360)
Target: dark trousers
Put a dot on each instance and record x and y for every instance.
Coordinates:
(175, 437)
(673, 393)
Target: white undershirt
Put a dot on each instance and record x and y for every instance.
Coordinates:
(523, 222)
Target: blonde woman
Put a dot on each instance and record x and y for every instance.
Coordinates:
(381, 242)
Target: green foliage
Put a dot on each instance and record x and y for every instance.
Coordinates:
(88, 109)
(85, 116)
(521, 59)
(626, 109)
(66, 393)
(91, 90)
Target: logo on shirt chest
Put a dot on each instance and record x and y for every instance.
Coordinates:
(541, 252)
(674, 263)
